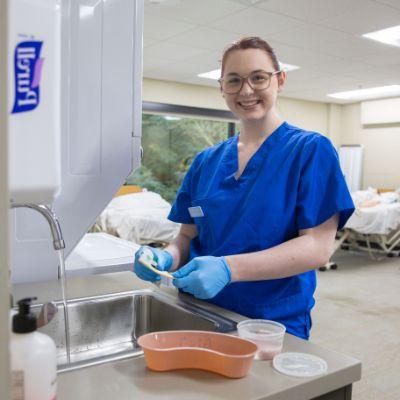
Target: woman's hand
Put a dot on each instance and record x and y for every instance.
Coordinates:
(203, 277)
(163, 261)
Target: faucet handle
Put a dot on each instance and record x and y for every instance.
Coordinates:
(46, 314)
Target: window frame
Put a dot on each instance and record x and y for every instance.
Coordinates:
(149, 107)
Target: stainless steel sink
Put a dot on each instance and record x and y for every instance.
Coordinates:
(105, 328)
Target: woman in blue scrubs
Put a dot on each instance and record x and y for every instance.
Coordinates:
(259, 211)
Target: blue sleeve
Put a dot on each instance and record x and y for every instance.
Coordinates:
(180, 209)
(322, 188)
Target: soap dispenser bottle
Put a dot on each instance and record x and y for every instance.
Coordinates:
(33, 358)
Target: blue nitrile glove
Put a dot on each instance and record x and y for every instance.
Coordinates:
(163, 259)
(203, 277)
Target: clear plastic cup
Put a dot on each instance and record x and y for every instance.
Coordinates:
(267, 335)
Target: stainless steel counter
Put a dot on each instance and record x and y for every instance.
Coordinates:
(130, 379)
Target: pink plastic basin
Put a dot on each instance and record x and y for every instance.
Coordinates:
(224, 354)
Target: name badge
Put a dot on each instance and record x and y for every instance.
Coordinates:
(196, 212)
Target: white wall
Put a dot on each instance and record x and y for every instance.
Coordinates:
(4, 271)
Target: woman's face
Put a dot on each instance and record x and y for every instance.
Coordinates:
(250, 104)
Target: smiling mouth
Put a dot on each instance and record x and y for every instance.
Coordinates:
(249, 104)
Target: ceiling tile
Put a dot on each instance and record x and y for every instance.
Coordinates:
(255, 22)
(366, 19)
(390, 57)
(326, 83)
(208, 61)
(391, 3)
(171, 75)
(294, 86)
(164, 75)
(334, 83)
(247, 2)
(171, 51)
(185, 68)
(342, 66)
(194, 11)
(147, 41)
(300, 56)
(151, 63)
(310, 37)
(303, 76)
(365, 81)
(356, 48)
(207, 38)
(161, 28)
(313, 95)
(312, 10)
(201, 81)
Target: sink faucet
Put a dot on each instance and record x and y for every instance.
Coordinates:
(58, 241)
(48, 310)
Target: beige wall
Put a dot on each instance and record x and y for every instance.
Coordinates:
(335, 123)
(381, 148)
(182, 94)
(341, 123)
(4, 275)
(310, 115)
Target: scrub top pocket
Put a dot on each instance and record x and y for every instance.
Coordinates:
(203, 223)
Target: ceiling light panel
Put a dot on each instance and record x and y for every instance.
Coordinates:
(369, 93)
(389, 36)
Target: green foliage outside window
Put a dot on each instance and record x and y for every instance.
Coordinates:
(170, 145)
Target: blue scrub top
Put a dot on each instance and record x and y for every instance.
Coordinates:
(292, 182)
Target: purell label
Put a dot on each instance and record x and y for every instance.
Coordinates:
(27, 69)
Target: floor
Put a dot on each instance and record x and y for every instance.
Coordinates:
(358, 313)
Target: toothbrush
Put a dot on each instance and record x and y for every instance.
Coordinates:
(144, 260)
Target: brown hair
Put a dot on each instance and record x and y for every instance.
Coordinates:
(252, 42)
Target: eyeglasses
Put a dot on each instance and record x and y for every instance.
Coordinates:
(257, 80)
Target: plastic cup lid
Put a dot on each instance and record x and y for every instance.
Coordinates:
(299, 364)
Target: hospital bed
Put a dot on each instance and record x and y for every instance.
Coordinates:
(141, 217)
(138, 216)
(373, 228)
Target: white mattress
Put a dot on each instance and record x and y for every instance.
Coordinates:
(139, 217)
(380, 219)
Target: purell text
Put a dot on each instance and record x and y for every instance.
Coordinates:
(27, 70)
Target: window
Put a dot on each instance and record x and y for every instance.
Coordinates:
(170, 143)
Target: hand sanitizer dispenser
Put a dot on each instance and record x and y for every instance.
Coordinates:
(75, 104)
(34, 100)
